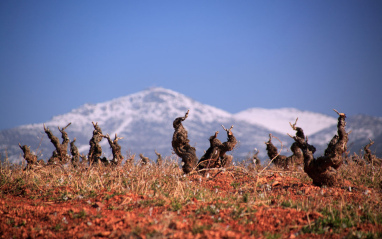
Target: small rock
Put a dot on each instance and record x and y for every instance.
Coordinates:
(64, 220)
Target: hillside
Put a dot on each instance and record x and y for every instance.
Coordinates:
(145, 119)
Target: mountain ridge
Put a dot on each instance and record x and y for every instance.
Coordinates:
(145, 119)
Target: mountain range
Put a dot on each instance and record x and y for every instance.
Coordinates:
(144, 120)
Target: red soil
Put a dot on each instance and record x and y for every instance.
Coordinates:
(30, 214)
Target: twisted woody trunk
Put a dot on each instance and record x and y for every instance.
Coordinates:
(60, 155)
(281, 160)
(214, 157)
(181, 145)
(323, 169)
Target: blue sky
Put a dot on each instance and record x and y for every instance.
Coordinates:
(312, 55)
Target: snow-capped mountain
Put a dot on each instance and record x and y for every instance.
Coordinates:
(277, 119)
(145, 119)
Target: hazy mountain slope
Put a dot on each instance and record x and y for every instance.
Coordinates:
(145, 119)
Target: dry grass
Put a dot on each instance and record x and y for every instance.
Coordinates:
(240, 191)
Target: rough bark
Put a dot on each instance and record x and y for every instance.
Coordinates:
(281, 160)
(229, 145)
(297, 158)
(369, 157)
(30, 157)
(144, 160)
(95, 151)
(182, 147)
(60, 155)
(215, 156)
(75, 153)
(116, 150)
(323, 169)
(76, 156)
(273, 154)
(159, 159)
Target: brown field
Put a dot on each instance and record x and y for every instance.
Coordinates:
(160, 202)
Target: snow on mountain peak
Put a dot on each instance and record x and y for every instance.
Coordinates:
(145, 119)
(279, 119)
(155, 104)
(159, 104)
(152, 105)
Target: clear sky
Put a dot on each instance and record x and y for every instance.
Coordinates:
(312, 55)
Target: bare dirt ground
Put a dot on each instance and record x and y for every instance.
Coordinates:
(284, 207)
